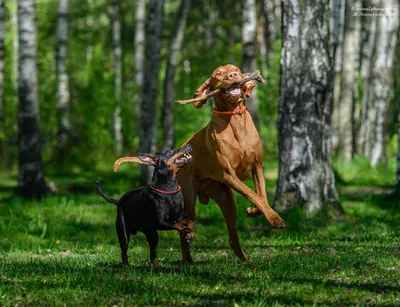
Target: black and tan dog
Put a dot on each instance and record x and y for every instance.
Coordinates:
(157, 206)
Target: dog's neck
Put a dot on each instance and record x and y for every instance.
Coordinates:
(167, 183)
(222, 106)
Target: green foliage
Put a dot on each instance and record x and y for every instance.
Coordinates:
(64, 250)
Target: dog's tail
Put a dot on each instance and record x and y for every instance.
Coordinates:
(111, 200)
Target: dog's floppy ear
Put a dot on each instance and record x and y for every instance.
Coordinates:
(203, 90)
(248, 88)
(147, 158)
(127, 159)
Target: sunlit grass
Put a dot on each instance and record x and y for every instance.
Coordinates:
(64, 250)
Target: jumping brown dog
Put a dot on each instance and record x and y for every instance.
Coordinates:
(224, 153)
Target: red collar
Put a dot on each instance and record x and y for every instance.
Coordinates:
(235, 112)
(165, 192)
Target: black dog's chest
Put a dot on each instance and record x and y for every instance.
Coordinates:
(149, 210)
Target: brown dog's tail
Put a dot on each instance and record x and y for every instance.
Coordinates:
(109, 199)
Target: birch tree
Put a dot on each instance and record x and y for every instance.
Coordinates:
(63, 95)
(31, 179)
(337, 43)
(249, 37)
(349, 69)
(2, 60)
(148, 115)
(378, 87)
(169, 94)
(116, 39)
(304, 111)
(140, 17)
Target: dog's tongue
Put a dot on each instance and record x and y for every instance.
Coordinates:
(235, 91)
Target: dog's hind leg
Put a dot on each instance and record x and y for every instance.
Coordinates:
(123, 236)
(152, 239)
(223, 196)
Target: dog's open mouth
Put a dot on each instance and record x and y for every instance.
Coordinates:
(233, 90)
(185, 158)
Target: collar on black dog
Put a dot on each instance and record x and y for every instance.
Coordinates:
(165, 192)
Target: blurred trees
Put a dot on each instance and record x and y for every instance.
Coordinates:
(85, 63)
(116, 43)
(63, 94)
(148, 109)
(2, 59)
(31, 178)
(249, 37)
(169, 81)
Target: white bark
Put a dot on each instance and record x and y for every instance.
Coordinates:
(249, 38)
(169, 94)
(13, 8)
(31, 179)
(337, 42)
(140, 17)
(116, 38)
(63, 95)
(305, 167)
(346, 103)
(378, 91)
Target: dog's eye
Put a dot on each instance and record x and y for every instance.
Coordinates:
(218, 74)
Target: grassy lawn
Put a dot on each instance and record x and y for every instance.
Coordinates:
(64, 250)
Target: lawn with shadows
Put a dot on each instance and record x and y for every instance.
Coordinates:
(64, 250)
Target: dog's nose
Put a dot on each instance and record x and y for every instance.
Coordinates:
(233, 75)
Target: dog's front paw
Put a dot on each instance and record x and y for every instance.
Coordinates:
(188, 234)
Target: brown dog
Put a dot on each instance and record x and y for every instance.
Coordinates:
(224, 153)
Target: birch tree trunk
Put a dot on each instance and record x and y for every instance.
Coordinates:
(249, 37)
(337, 42)
(346, 102)
(2, 61)
(140, 17)
(304, 113)
(169, 93)
(2, 20)
(31, 180)
(377, 91)
(148, 116)
(63, 95)
(116, 38)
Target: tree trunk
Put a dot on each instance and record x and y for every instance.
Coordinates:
(63, 95)
(140, 18)
(116, 38)
(148, 116)
(350, 49)
(249, 37)
(337, 43)
(14, 31)
(31, 180)
(305, 166)
(378, 88)
(169, 94)
(2, 20)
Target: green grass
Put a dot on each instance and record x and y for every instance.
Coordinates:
(64, 250)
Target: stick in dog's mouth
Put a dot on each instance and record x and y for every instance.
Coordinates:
(234, 89)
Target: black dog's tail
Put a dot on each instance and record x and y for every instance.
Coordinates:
(111, 200)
